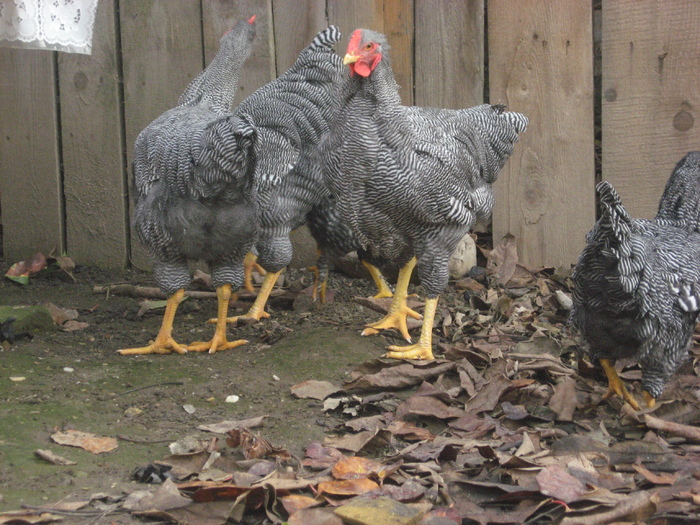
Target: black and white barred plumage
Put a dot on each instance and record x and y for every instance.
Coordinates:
(636, 283)
(193, 175)
(291, 114)
(409, 180)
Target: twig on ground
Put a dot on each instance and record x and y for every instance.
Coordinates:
(165, 383)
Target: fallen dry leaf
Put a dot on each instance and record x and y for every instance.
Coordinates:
(254, 446)
(313, 389)
(347, 487)
(296, 502)
(85, 440)
(355, 467)
(555, 481)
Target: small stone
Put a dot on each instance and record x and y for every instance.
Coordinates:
(275, 377)
(463, 258)
(188, 408)
(379, 511)
(17, 379)
(68, 369)
(132, 411)
(232, 399)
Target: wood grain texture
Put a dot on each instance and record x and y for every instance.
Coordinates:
(394, 18)
(161, 53)
(540, 63)
(221, 15)
(296, 23)
(30, 187)
(449, 53)
(93, 148)
(651, 96)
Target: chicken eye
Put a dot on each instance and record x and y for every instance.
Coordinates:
(368, 46)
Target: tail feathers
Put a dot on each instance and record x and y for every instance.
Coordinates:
(225, 153)
(495, 139)
(613, 236)
(325, 39)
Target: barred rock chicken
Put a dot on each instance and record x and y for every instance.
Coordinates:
(335, 239)
(410, 181)
(290, 115)
(193, 173)
(636, 283)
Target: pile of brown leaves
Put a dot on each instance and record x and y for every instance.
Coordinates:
(509, 426)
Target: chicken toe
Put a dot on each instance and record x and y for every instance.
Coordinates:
(615, 385)
(163, 343)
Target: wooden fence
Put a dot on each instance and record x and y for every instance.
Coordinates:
(68, 122)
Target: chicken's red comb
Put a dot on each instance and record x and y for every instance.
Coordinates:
(251, 20)
(355, 39)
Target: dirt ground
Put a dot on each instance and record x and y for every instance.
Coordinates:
(76, 380)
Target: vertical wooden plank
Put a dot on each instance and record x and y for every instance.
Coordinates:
(221, 15)
(399, 29)
(161, 53)
(30, 191)
(540, 63)
(651, 95)
(296, 23)
(91, 129)
(450, 53)
(394, 18)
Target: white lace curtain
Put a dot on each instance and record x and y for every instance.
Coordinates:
(62, 25)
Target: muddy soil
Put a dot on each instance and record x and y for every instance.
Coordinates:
(76, 380)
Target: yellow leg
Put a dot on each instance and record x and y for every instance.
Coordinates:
(379, 280)
(649, 399)
(218, 342)
(249, 265)
(396, 317)
(164, 343)
(615, 385)
(257, 311)
(423, 349)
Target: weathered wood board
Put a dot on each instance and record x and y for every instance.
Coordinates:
(296, 23)
(540, 63)
(651, 95)
(30, 182)
(93, 149)
(161, 53)
(449, 53)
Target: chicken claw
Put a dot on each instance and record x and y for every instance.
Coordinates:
(164, 342)
(423, 349)
(396, 318)
(398, 311)
(218, 342)
(382, 286)
(615, 385)
(419, 350)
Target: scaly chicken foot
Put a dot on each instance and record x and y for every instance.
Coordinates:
(257, 311)
(615, 385)
(398, 310)
(163, 343)
(318, 290)
(219, 341)
(382, 286)
(423, 349)
(250, 264)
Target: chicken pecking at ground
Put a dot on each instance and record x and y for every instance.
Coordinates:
(290, 115)
(636, 283)
(193, 174)
(410, 182)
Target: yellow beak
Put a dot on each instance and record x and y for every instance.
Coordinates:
(350, 59)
